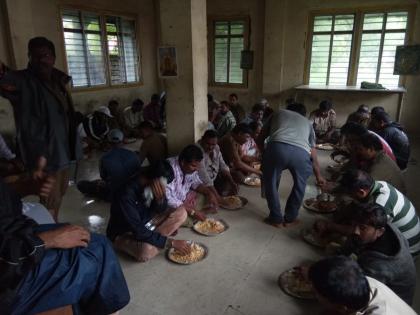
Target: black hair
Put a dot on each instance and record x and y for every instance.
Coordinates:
(257, 108)
(242, 128)
(298, 108)
(157, 169)
(234, 95)
(371, 141)
(210, 134)
(370, 214)
(111, 102)
(353, 128)
(325, 105)
(355, 179)
(254, 126)
(138, 102)
(382, 116)
(224, 103)
(155, 97)
(147, 124)
(191, 153)
(341, 281)
(376, 110)
(363, 109)
(210, 98)
(39, 42)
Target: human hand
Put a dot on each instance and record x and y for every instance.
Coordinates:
(158, 189)
(200, 216)
(213, 201)
(321, 181)
(65, 237)
(39, 172)
(182, 246)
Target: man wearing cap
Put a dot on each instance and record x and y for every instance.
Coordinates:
(94, 128)
(46, 130)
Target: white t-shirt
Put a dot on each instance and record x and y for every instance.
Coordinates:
(384, 301)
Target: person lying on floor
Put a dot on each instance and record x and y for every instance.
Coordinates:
(381, 250)
(342, 288)
(400, 211)
(181, 192)
(230, 146)
(140, 223)
(44, 267)
(213, 171)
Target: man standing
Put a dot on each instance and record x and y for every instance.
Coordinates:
(213, 172)
(290, 146)
(44, 116)
(227, 121)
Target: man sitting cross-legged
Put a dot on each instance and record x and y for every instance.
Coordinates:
(140, 223)
(400, 211)
(45, 267)
(213, 171)
(343, 289)
(230, 146)
(381, 250)
(181, 192)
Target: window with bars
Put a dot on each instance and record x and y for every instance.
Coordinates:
(382, 33)
(229, 40)
(333, 46)
(100, 49)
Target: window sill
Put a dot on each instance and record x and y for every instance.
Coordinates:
(398, 90)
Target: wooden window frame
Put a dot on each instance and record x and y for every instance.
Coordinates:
(211, 55)
(357, 36)
(107, 62)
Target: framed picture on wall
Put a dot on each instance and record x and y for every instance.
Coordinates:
(168, 66)
(407, 60)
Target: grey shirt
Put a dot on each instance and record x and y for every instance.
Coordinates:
(211, 165)
(292, 128)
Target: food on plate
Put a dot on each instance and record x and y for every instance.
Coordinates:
(253, 181)
(209, 226)
(294, 283)
(232, 202)
(196, 254)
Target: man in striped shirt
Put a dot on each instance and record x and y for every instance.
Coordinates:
(400, 211)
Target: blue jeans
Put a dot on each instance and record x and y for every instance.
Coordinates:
(278, 157)
(89, 278)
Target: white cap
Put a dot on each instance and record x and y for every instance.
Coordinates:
(105, 110)
(115, 136)
(263, 101)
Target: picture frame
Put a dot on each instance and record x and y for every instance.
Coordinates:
(167, 62)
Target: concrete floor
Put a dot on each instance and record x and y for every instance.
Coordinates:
(240, 274)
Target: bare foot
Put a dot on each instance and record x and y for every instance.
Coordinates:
(272, 223)
(291, 224)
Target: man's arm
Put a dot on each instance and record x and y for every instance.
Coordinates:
(131, 209)
(315, 166)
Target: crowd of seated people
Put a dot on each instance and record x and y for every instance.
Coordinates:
(47, 266)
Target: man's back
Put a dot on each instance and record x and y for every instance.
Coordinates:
(385, 169)
(398, 140)
(292, 128)
(154, 147)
